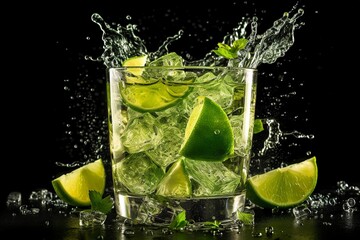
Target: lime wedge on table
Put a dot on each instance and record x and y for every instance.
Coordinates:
(283, 187)
(73, 187)
(176, 182)
(208, 134)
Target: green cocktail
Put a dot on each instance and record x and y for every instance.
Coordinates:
(180, 139)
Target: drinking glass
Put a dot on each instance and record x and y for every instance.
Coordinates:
(180, 140)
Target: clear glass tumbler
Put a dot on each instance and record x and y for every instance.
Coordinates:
(180, 140)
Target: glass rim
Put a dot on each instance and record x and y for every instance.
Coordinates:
(195, 67)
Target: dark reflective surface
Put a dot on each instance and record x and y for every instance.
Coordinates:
(330, 224)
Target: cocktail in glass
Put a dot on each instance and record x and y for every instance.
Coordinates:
(180, 140)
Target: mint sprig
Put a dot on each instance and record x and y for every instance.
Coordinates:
(98, 203)
(179, 221)
(231, 52)
(246, 218)
(213, 225)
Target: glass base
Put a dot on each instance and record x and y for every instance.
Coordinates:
(158, 210)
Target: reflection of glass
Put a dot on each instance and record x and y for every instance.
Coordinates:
(163, 160)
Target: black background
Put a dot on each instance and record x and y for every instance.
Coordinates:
(44, 48)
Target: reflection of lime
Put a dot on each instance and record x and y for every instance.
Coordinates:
(283, 187)
(208, 134)
(176, 182)
(74, 187)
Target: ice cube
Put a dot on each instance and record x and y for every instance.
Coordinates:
(213, 178)
(168, 150)
(90, 218)
(138, 173)
(141, 134)
(14, 199)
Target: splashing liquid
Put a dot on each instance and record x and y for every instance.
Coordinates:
(122, 42)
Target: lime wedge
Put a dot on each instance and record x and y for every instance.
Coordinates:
(176, 182)
(137, 61)
(208, 134)
(283, 187)
(73, 187)
(135, 68)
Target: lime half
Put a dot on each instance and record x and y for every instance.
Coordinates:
(283, 187)
(208, 134)
(73, 187)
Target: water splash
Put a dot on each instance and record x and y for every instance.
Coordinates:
(122, 42)
(274, 43)
(275, 135)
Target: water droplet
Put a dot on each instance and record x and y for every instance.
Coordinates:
(351, 202)
(269, 231)
(129, 232)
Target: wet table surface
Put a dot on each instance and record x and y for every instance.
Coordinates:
(49, 223)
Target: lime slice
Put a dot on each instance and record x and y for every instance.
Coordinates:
(136, 69)
(73, 187)
(152, 94)
(176, 182)
(152, 97)
(283, 187)
(208, 134)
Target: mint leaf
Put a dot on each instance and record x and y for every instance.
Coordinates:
(98, 203)
(246, 218)
(179, 221)
(239, 44)
(230, 52)
(258, 126)
(225, 51)
(213, 225)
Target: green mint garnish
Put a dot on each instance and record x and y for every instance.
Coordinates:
(258, 126)
(230, 52)
(213, 225)
(98, 203)
(179, 221)
(246, 218)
